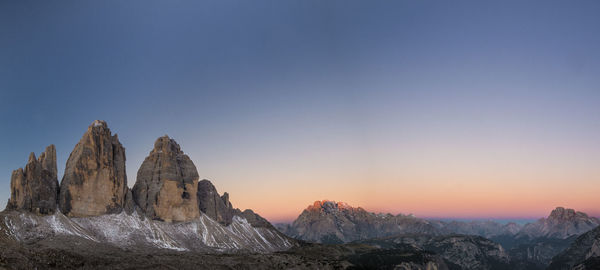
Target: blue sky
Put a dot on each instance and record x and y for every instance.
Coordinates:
(296, 101)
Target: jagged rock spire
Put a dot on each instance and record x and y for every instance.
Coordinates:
(216, 207)
(35, 189)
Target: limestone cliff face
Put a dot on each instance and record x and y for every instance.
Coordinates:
(35, 189)
(166, 184)
(95, 182)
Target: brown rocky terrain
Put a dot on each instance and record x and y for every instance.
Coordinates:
(35, 189)
(95, 182)
(167, 183)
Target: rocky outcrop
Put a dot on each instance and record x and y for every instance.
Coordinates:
(561, 223)
(583, 252)
(461, 251)
(210, 203)
(167, 183)
(35, 189)
(220, 209)
(95, 182)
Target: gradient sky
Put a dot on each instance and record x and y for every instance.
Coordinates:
(469, 109)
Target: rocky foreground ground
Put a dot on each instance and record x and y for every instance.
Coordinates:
(79, 253)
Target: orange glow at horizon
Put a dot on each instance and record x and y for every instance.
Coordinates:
(458, 188)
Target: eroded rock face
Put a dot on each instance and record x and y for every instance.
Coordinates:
(35, 189)
(166, 184)
(95, 182)
(216, 207)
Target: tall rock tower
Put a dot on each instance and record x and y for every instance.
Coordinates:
(35, 189)
(167, 183)
(95, 182)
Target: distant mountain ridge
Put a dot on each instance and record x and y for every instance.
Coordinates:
(561, 223)
(335, 222)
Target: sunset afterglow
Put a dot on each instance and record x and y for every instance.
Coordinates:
(464, 110)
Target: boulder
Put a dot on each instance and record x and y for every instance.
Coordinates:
(166, 184)
(95, 182)
(35, 189)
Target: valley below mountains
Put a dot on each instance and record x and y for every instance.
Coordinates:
(170, 219)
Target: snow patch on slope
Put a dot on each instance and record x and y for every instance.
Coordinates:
(134, 231)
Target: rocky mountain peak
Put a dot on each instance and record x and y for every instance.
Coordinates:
(165, 144)
(167, 183)
(562, 214)
(95, 182)
(561, 223)
(35, 189)
(98, 124)
(327, 205)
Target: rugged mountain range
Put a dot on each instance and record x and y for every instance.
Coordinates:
(333, 222)
(171, 219)
(539, 242)
(561, 223)
(337, 222)
(93, 202)
(531, 246)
